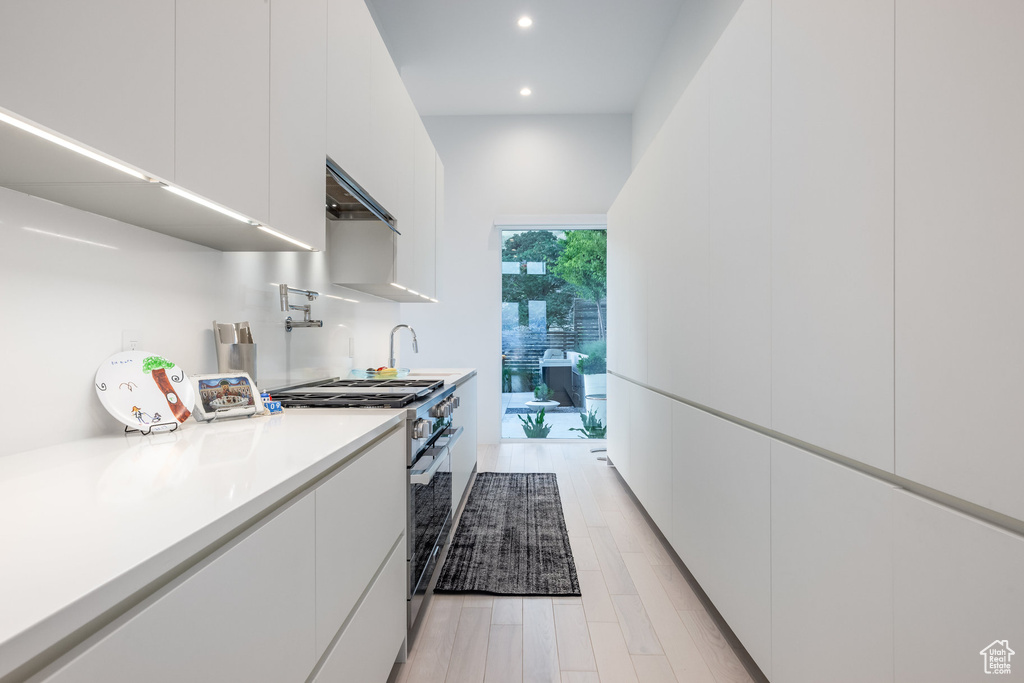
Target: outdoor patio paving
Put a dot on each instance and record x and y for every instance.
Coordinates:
(561, 422)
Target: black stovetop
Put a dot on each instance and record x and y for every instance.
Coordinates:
(358, 393)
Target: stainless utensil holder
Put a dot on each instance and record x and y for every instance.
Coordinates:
(236, 351)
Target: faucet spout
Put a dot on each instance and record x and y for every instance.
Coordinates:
(391, 346)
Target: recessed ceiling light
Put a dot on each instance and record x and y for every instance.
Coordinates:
(525, 92)
(525, 22)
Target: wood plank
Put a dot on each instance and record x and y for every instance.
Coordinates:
(540, 647)
(686, 659)
(469, 654)
(591, 511)
(613, 661)
(677, 588)
(507, 611)
(626, 537)
(575, 652)
(471, 600)
(596, 601)
(505, 654)
(436, 640)
(583, 554)
(580, 677)
(653, 669)
(636, 625)
(717, 653)
(616, 576)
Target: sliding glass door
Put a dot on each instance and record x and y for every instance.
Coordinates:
(553, 332)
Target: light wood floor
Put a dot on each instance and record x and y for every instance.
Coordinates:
(638, 620)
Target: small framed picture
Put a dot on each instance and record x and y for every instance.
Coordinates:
(228, 394)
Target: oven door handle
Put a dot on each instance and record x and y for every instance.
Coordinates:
(426, 476)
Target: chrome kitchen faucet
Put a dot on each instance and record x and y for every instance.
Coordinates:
(391, 348)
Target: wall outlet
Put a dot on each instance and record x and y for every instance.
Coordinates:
(131, 340)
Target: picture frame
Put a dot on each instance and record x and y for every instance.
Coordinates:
(225, 395)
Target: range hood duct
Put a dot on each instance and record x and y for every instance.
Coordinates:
(348, 201)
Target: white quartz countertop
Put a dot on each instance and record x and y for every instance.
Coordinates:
(87, 524)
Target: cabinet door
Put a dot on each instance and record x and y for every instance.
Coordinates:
(721, 500)
(831, 551)
(360, 513)
(298, 109)
(957, 589)
(386, 115)
(367, 648)
(959, 248)
(464, 455)
(618, 425)
(676, 259)
(350, 28)
(101, 73)
(832, 225)
(438, 221)
(426, 211)
(245, 614)
(740, 216)
(222, 87)
(404, 204)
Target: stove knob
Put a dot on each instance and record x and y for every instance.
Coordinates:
(458, 401)
(437, 410)
(421, 429)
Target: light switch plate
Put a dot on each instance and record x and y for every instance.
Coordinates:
(131, 340)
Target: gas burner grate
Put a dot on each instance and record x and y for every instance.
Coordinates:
(347, 401)
(370, 383)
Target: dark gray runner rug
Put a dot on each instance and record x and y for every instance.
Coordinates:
(511, 540)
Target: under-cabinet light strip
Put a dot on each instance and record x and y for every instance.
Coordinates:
(207, 203)
(67, 144)
(286, 238)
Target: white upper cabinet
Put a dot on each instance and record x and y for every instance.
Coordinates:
(298, 126)
(222, 92)
(350, 28)
(832, 225)
(959, 249)
(101, 73)
(425, 213)
(740, 216)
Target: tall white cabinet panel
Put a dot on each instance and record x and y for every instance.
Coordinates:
(246, 614)
(360, 513)
(959, 249)
(627, 284)
(387, 95)
(832, 225)
(101, 73)
(298, 109)
(831, 572)
(722, 509)
(349, 28)
(957, 589)
(678, 276)
(222, 90)
(740, 216)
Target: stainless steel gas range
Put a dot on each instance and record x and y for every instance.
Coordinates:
(431, 435)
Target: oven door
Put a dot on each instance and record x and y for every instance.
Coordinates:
(430, 509)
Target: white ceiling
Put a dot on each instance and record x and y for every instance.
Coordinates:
(470, 57)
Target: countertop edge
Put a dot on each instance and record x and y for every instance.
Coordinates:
(82, 618)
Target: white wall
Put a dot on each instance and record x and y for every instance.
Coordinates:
(695, 31)
(69, 294)
(498, 165)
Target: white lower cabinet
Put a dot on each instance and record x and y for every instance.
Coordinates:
(957, 590)
(464, 453)
(366, 649)
(721, 496)
(832, 593)
(327, 573)
(618, 419)
(244, 614)
(360, 513)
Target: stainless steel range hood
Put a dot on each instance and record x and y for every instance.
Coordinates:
(348, 201)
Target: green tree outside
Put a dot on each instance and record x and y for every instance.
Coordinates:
(583, 263)
(537, 246)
